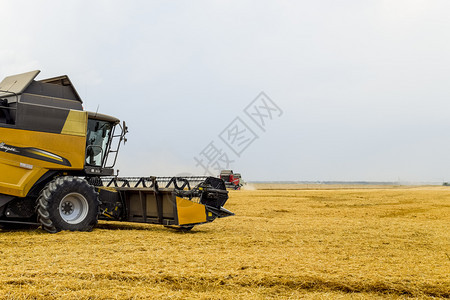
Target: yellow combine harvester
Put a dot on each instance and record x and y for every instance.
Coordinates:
(56, 167)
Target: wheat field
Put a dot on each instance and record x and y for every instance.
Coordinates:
(345, 243)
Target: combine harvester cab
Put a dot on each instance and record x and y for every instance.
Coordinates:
(57, 160)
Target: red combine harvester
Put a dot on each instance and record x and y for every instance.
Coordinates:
(232, 180)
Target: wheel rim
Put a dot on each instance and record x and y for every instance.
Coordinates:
(73, 208)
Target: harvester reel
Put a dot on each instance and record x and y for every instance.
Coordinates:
(68, 203)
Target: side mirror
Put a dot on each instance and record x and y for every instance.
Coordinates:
(124, 132)
(125, 128)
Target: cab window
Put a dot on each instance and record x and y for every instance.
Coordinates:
(98, 135)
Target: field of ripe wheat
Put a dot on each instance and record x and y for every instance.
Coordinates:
(319, 244)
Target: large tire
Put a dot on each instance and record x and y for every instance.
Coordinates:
(68, 203)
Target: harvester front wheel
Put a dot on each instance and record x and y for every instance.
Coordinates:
(67, 203)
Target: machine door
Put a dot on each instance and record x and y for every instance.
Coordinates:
(97, 142)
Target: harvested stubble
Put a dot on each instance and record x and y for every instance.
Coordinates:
(346, 243)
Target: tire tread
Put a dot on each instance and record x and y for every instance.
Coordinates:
(49, 194)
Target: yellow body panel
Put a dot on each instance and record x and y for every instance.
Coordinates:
(76, 123)
(190, 212)
(18, 173)
(16, 179)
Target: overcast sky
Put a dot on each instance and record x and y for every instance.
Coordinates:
(357, 90)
